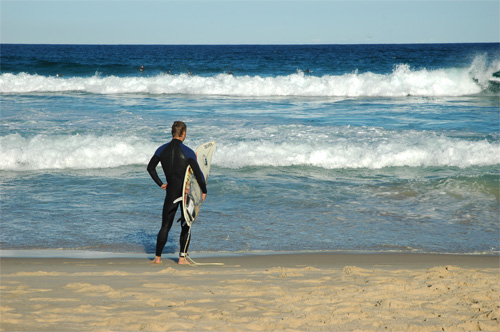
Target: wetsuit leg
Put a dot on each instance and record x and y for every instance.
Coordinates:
(169, 209)
(185, 237)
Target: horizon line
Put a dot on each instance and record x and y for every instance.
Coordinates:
(252, 44)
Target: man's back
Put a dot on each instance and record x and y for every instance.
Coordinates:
(175, 158)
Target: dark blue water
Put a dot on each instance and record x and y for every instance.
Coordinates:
(375, 148)
(264, 60)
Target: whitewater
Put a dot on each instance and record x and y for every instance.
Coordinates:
(371, 148)
(402, 82)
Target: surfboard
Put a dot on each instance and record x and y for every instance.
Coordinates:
(192, 194)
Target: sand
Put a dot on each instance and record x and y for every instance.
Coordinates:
(290, 292)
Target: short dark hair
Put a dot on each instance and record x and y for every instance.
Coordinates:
(178, 128)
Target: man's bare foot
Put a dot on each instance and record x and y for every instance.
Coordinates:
(184, 261)
(157, 260)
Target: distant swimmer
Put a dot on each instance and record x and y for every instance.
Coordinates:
(190, 73)
(169, 72)
(230, 72)
(59, 75)
(307, 71)
(141, 69)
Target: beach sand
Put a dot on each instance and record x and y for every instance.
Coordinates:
(290, 292)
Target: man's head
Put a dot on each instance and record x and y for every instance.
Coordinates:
(179, 130)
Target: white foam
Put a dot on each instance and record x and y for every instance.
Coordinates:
(440, 152)
(332, 148)
(482, 71)
(75, 151)
(403, 81)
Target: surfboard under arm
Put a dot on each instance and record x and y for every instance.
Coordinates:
(192, 194)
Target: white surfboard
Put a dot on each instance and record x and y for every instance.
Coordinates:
(191, 192)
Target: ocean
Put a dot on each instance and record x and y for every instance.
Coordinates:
(348, 148)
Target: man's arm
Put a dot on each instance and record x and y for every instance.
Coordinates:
(198, 174)
(155, 160)
(193, 162)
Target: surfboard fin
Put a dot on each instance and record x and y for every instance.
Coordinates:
(178, 200)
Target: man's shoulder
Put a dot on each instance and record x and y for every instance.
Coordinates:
(188, 152)
(161, 148)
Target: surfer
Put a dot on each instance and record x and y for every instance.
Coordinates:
(174, 158)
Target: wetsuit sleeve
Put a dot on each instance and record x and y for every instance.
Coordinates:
(191, 157)
(198, 174)
(152, 169)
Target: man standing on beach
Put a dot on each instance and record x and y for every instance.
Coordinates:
(175, 157)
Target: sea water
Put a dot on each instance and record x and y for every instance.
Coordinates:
(372, 148)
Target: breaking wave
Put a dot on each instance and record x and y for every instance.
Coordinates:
(347, 148)
(402, 81)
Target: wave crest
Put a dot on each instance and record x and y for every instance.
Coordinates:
(347, 148)
(403, 81)
(71, 152)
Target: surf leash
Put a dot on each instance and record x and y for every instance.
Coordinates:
(191, 261)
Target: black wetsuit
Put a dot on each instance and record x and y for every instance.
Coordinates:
(175, 158)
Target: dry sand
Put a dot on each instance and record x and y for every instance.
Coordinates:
(292, 292)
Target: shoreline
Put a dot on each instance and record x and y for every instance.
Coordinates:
(269, 259)
(292, 292)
